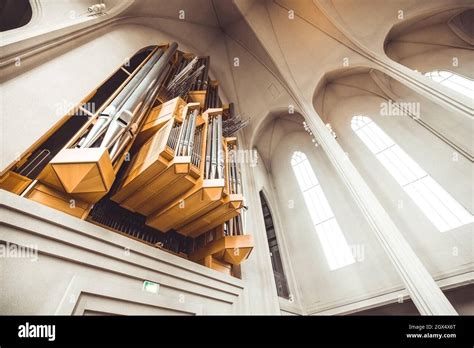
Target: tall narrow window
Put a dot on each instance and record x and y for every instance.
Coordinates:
(456, 82)
(278, 272)
(437, 204)
(335, 247)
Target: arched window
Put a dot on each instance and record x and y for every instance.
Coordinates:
(437, 204)
(456, 82)
(335, 247)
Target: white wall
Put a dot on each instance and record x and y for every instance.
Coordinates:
(79, 266)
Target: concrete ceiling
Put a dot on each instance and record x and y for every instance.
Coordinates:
(209, 21)
(209, 26)
(200, 12)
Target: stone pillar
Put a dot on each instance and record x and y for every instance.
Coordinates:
(260, 291)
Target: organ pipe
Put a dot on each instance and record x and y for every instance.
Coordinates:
(109, 112)
(139, 93)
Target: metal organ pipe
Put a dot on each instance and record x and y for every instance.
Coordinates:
(232, 171)
(201, 80)
(214, 167)
(182, 74)
(182, 134)
(122, 140)
(120, 118)
(184, 87)
(174, 134)
(184, 80)
(213, 149)
(207, 166)
(109, 112)
(186, 139)
(197, 147)
(220, 152)
(192, 132)
(187, 135)
(206, 74)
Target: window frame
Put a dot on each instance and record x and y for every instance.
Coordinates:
(337, 251)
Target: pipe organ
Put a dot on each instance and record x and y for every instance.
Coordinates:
(151, 153)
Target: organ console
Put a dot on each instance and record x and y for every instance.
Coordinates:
(152, 154)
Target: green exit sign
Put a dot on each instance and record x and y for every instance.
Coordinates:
(151, 286)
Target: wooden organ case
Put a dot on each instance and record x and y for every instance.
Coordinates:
(151, 154)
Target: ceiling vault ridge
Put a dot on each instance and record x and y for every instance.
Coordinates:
(410, 79)
(278, 74)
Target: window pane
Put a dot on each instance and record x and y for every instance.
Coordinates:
(375, 139)
(379, 135)
(337, 252)
(312, 206)
(449, 210)
(410, 166)
(456, 82)
(307, 169)
(423, 201)
(333, 242)
(438, 205)
(392, 164)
